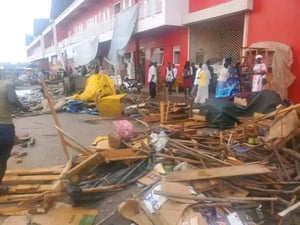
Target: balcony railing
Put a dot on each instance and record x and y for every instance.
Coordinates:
(150, 8)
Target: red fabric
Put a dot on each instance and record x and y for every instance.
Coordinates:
(187, 82)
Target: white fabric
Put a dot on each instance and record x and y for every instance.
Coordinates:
(196, 80)
(175, 71)
(123, 28)
(152, 71)
(282, 77)
(85, 52)
(223, 74)
(169, 74)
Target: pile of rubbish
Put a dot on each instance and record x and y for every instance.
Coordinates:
(188, 173)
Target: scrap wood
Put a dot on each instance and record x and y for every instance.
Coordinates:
(37, 171)
(290, 152)
(273, 191)
(289, 209)
(15, 198)
(81, 149)
(29, 179)
(213, 199)
(29, 188)
(92, 161)
(229, 171)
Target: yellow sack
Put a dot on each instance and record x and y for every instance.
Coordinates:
(96, 85)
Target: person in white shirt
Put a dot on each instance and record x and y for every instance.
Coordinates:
(223, 75)
(169, 76)
(152, 79)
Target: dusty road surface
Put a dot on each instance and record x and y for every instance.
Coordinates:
(47, 150)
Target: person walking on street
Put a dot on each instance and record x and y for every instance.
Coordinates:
(152, 79)
(8, 100)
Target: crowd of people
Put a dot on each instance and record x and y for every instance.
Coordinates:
(198, 83)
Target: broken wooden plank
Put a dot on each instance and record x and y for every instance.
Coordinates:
(36, 171)
(29, 179)
(229, 199)
(12, 211)
(289, 209)
(15, 198)
(93, 160)
(219, 172)
(29, 188)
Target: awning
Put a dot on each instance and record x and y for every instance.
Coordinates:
(85, 52)
(124, 26)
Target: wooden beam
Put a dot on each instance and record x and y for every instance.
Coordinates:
(37, 171)
(54, 115)
(219, 172)
(29, 179)
(93, 160)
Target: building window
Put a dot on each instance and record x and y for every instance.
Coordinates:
(158, 56)
(54, 60)
(117, 8)
(176, 54)
(105, 15)
(78, 29)
(89, 23)
(127, 4)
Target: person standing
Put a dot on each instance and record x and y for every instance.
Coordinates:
(196, 82)
(187, 79)
(223, 75)
(204, 79)
(212, 83)
(152, 79)
(8, 100)
(169, 76)
(259, 74)
(175, 71)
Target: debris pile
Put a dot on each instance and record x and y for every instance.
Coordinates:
(191, 174)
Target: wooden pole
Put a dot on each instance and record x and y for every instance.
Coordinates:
(202, 199)
(54, 115)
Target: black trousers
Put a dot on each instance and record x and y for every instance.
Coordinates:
(7, 139)
(152, 89)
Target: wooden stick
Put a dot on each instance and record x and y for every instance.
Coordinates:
(201, 199)
(93, 160)
(54, 115)
(289, 209)
(290, 152)
(85, 150)
(281, 163)
(167, 112)
(116, 187)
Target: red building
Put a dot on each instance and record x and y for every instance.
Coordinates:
(166, 31)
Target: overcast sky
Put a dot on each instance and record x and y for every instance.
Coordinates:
(16, 20)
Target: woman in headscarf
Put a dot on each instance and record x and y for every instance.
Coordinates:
(204, 78)
(259, 74)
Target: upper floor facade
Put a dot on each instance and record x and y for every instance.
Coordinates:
(90, 18)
